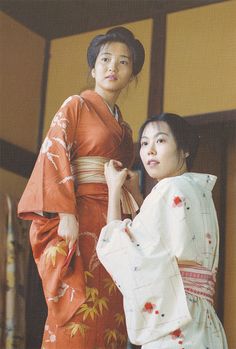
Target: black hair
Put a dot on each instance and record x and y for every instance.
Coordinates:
(118, 34)
(184, 133)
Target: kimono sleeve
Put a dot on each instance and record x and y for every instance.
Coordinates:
(139, 259)
(51, 185)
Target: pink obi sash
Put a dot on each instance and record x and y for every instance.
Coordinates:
(198, 281)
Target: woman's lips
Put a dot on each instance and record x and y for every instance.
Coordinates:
(112, 77)
(152, 162)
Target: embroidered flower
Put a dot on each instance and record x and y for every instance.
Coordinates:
(52, 338)
(149, 307)
(46, 145)
(177, 202)
(59, 120)
(176, 334)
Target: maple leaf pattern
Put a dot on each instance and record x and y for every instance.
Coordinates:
(75, 327)
(52, 251)
(110, 335)
(109, 283)
(87, 274)
(91, 294)
(120, 319)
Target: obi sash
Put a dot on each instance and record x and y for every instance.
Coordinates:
(90, 169)
(198, 281)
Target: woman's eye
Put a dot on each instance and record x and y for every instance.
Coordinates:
(104, 59)
(160, 140)
(124, 62)
(143, 144)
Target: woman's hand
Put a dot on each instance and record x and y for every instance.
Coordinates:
(115, 175)
(68, 228)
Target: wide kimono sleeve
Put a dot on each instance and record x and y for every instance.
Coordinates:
(51, 189)
(138, 257)
(51, 186)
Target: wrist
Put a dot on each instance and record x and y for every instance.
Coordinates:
(114, 194)
(66, 215)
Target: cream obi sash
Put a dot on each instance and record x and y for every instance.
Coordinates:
(198, 281)
(90, 169)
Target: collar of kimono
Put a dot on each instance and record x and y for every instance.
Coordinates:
(90, 169)
(100, 105)
(113, 112)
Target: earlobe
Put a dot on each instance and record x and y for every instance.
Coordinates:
(131, 78)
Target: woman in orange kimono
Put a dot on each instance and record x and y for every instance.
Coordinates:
(66, 198)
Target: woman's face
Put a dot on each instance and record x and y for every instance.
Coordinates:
(113, 68)
(159, 152)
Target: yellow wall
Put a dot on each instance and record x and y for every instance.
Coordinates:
(12, 184)
(68, 74)
(21, 63)
(200, 72)
(230, 244)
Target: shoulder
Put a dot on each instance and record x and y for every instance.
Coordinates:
(71, 101)
(68, 112)
(174, 187)
(184, 188)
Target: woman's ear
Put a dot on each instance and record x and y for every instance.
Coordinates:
(93, 73)
(186, 154)
(131, 78)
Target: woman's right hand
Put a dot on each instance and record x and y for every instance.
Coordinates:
(115, 174)
(68, 228)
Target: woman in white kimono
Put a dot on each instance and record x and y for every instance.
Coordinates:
(165, 260)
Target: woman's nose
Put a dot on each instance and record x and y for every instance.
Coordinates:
(151, 150)
(112, 66)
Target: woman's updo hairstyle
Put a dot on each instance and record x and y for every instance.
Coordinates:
(118, 34)
(184, 133)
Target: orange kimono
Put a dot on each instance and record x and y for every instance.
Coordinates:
(85, 308)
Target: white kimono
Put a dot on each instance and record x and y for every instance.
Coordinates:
(177, 221)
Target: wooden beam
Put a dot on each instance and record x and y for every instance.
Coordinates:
(84, 16)
(43, 91)
(16, 159)
(156, 87)
(215, 117)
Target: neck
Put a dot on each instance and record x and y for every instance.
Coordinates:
(179, 172)
(182, 170)
(109, 97)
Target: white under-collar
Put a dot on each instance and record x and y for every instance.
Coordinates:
(113, 112)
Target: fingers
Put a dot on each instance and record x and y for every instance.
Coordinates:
(114, 163)
(124, 172)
